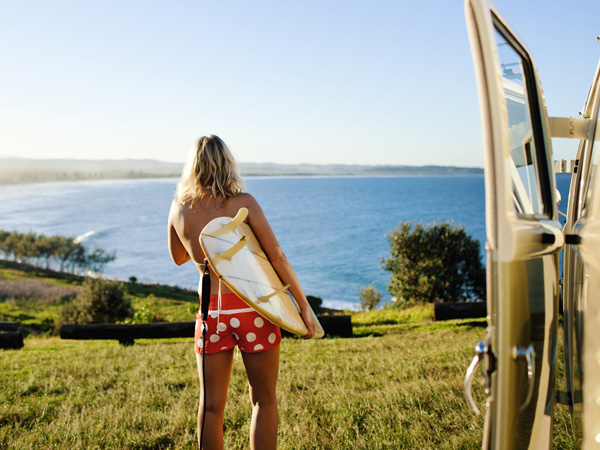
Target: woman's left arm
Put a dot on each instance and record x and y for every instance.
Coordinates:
(265, 235)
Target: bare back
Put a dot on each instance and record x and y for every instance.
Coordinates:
(186, 223)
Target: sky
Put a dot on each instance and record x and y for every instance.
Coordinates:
(351, 82)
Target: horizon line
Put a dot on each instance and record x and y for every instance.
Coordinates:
(21, 158)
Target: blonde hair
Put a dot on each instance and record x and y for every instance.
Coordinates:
(210, 170)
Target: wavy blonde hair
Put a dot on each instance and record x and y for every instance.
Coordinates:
(210, 170)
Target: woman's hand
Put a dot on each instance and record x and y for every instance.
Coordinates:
(309, 321)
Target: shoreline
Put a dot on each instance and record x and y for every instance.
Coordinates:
(24, 171)
(44, 180)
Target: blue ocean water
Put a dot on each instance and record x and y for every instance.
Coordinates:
(333, 229)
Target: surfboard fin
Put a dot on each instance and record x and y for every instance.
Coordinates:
(228, 254)
(272, 294)
(235, 222)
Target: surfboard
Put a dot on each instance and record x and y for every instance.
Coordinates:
(237, 258)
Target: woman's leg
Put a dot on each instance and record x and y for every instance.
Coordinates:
(218, 372)
(262, 369)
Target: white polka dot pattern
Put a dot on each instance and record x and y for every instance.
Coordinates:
(246, 329)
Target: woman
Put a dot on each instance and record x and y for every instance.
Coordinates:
(210, 187)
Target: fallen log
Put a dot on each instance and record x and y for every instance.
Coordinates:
(11, 340)
(459, 310)
(333, 325)
(8, 326)
(126, 334)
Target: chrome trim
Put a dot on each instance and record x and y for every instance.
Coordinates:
(480, 350)
(529, 355)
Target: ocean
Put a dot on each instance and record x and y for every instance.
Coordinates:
(332, 229)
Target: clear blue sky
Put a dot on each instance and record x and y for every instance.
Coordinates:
(356, 82)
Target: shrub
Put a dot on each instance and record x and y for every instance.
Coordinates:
(102, 301)
(438, 263)
(369, 297)
(147, 312)
(315, 303)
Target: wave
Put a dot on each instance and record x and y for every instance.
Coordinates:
(84, 237)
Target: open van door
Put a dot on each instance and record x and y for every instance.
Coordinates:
(582, 278)
(524, 238)
(576, 273)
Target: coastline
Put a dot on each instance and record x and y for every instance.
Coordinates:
(24, 171)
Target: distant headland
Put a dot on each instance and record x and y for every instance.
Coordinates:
(22, 170)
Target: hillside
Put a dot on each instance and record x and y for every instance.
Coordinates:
(21, 170)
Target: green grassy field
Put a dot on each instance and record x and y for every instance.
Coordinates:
(398, 384)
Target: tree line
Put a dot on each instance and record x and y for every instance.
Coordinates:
(60, 253)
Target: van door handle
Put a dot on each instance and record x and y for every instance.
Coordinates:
(480, 350)
(529, 355)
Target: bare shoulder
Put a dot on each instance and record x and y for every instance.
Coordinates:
(244, 200)
(176, 210)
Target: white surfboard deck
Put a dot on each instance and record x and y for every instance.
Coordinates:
(235, 255)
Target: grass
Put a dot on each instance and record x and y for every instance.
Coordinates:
(378, 392)
(398, 384)
(360, 393)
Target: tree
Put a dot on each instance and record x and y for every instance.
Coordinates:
(316, 303)
(3, 243)
(102, 301)
(96, 260)
(438, 263)
(10, 244)
(47, 251)
(369, 297)
(25, 250)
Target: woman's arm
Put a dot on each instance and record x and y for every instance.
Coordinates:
(178, 252)
(264, 233)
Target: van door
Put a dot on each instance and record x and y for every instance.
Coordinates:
(584, 317)
(524, 238)
(576, 273)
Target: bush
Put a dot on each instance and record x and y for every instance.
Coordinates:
(438, 263)
(316, 303)
(147, 312)
(102, 301)
(369, 297)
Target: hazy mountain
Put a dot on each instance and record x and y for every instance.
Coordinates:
(21, 170)
(350, 169)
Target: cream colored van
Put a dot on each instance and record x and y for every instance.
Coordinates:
(524, 240)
